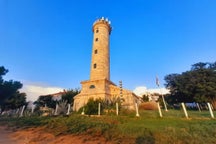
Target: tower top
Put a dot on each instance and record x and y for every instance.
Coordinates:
(103, 21)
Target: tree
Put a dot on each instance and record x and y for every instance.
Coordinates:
(145, 97)
(16, 101)
(69, 95)
(3, 71)
(198, 66)
(50, 101)
(45, 100)
(196, 85)
(10, 97)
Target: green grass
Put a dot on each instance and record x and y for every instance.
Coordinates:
(148, 128)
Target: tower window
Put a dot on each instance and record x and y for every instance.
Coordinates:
(92, 86)
(96, 51)
(96, 39)
(95, 65)
(97, 31)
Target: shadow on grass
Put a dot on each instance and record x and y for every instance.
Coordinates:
(146, 138)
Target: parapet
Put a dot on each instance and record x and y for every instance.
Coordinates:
(103, 20)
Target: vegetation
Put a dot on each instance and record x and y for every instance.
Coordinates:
(10, 97)
(69, 95)
(50, 101)
(196, 85)
(91, 107)
(106, 106)
(46, 100)
(148, 128)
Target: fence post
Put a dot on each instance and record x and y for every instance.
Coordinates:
(210, 110)
(56, 109)
(99, 109)
(165, 106)
(21, 114)
(198, 107)
(117, 109)
(159, 109)
(68, 111)
(32, 109)
(185, 111)
(137, 111)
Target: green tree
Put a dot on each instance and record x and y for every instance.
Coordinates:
(45, 100)
(3, 72)
(196, 85)
(10, 97)
(145, 97)
(16, 101)
(69, 95)
(3, 96)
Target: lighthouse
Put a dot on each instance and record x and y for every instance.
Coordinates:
(99, 85)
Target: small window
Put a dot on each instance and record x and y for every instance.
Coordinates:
(97, 31)
(92, 86)
(96, 51)
(95, 65)
(96, 39)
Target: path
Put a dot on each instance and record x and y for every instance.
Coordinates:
(5, 136)
(39, 136)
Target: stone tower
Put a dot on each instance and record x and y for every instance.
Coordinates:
(100, 65)
(100, 85)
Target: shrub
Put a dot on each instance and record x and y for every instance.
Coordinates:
(148, 106)
(91, 107)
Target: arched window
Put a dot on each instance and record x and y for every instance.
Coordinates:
(92, 86)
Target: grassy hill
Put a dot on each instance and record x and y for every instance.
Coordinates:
(149, 128)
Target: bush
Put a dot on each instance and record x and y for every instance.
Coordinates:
(91, 107)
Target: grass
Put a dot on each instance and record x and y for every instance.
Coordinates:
(149, 128)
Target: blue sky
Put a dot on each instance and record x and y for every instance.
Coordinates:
(48, 42)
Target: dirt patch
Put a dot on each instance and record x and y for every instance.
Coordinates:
(5, 136)
(40, 136)
(148, 106)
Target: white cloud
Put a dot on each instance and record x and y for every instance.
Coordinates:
(33, 91)
(141, 90)
(159, 90)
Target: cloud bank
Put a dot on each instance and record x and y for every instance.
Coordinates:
(33, 91)
(141, 90)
